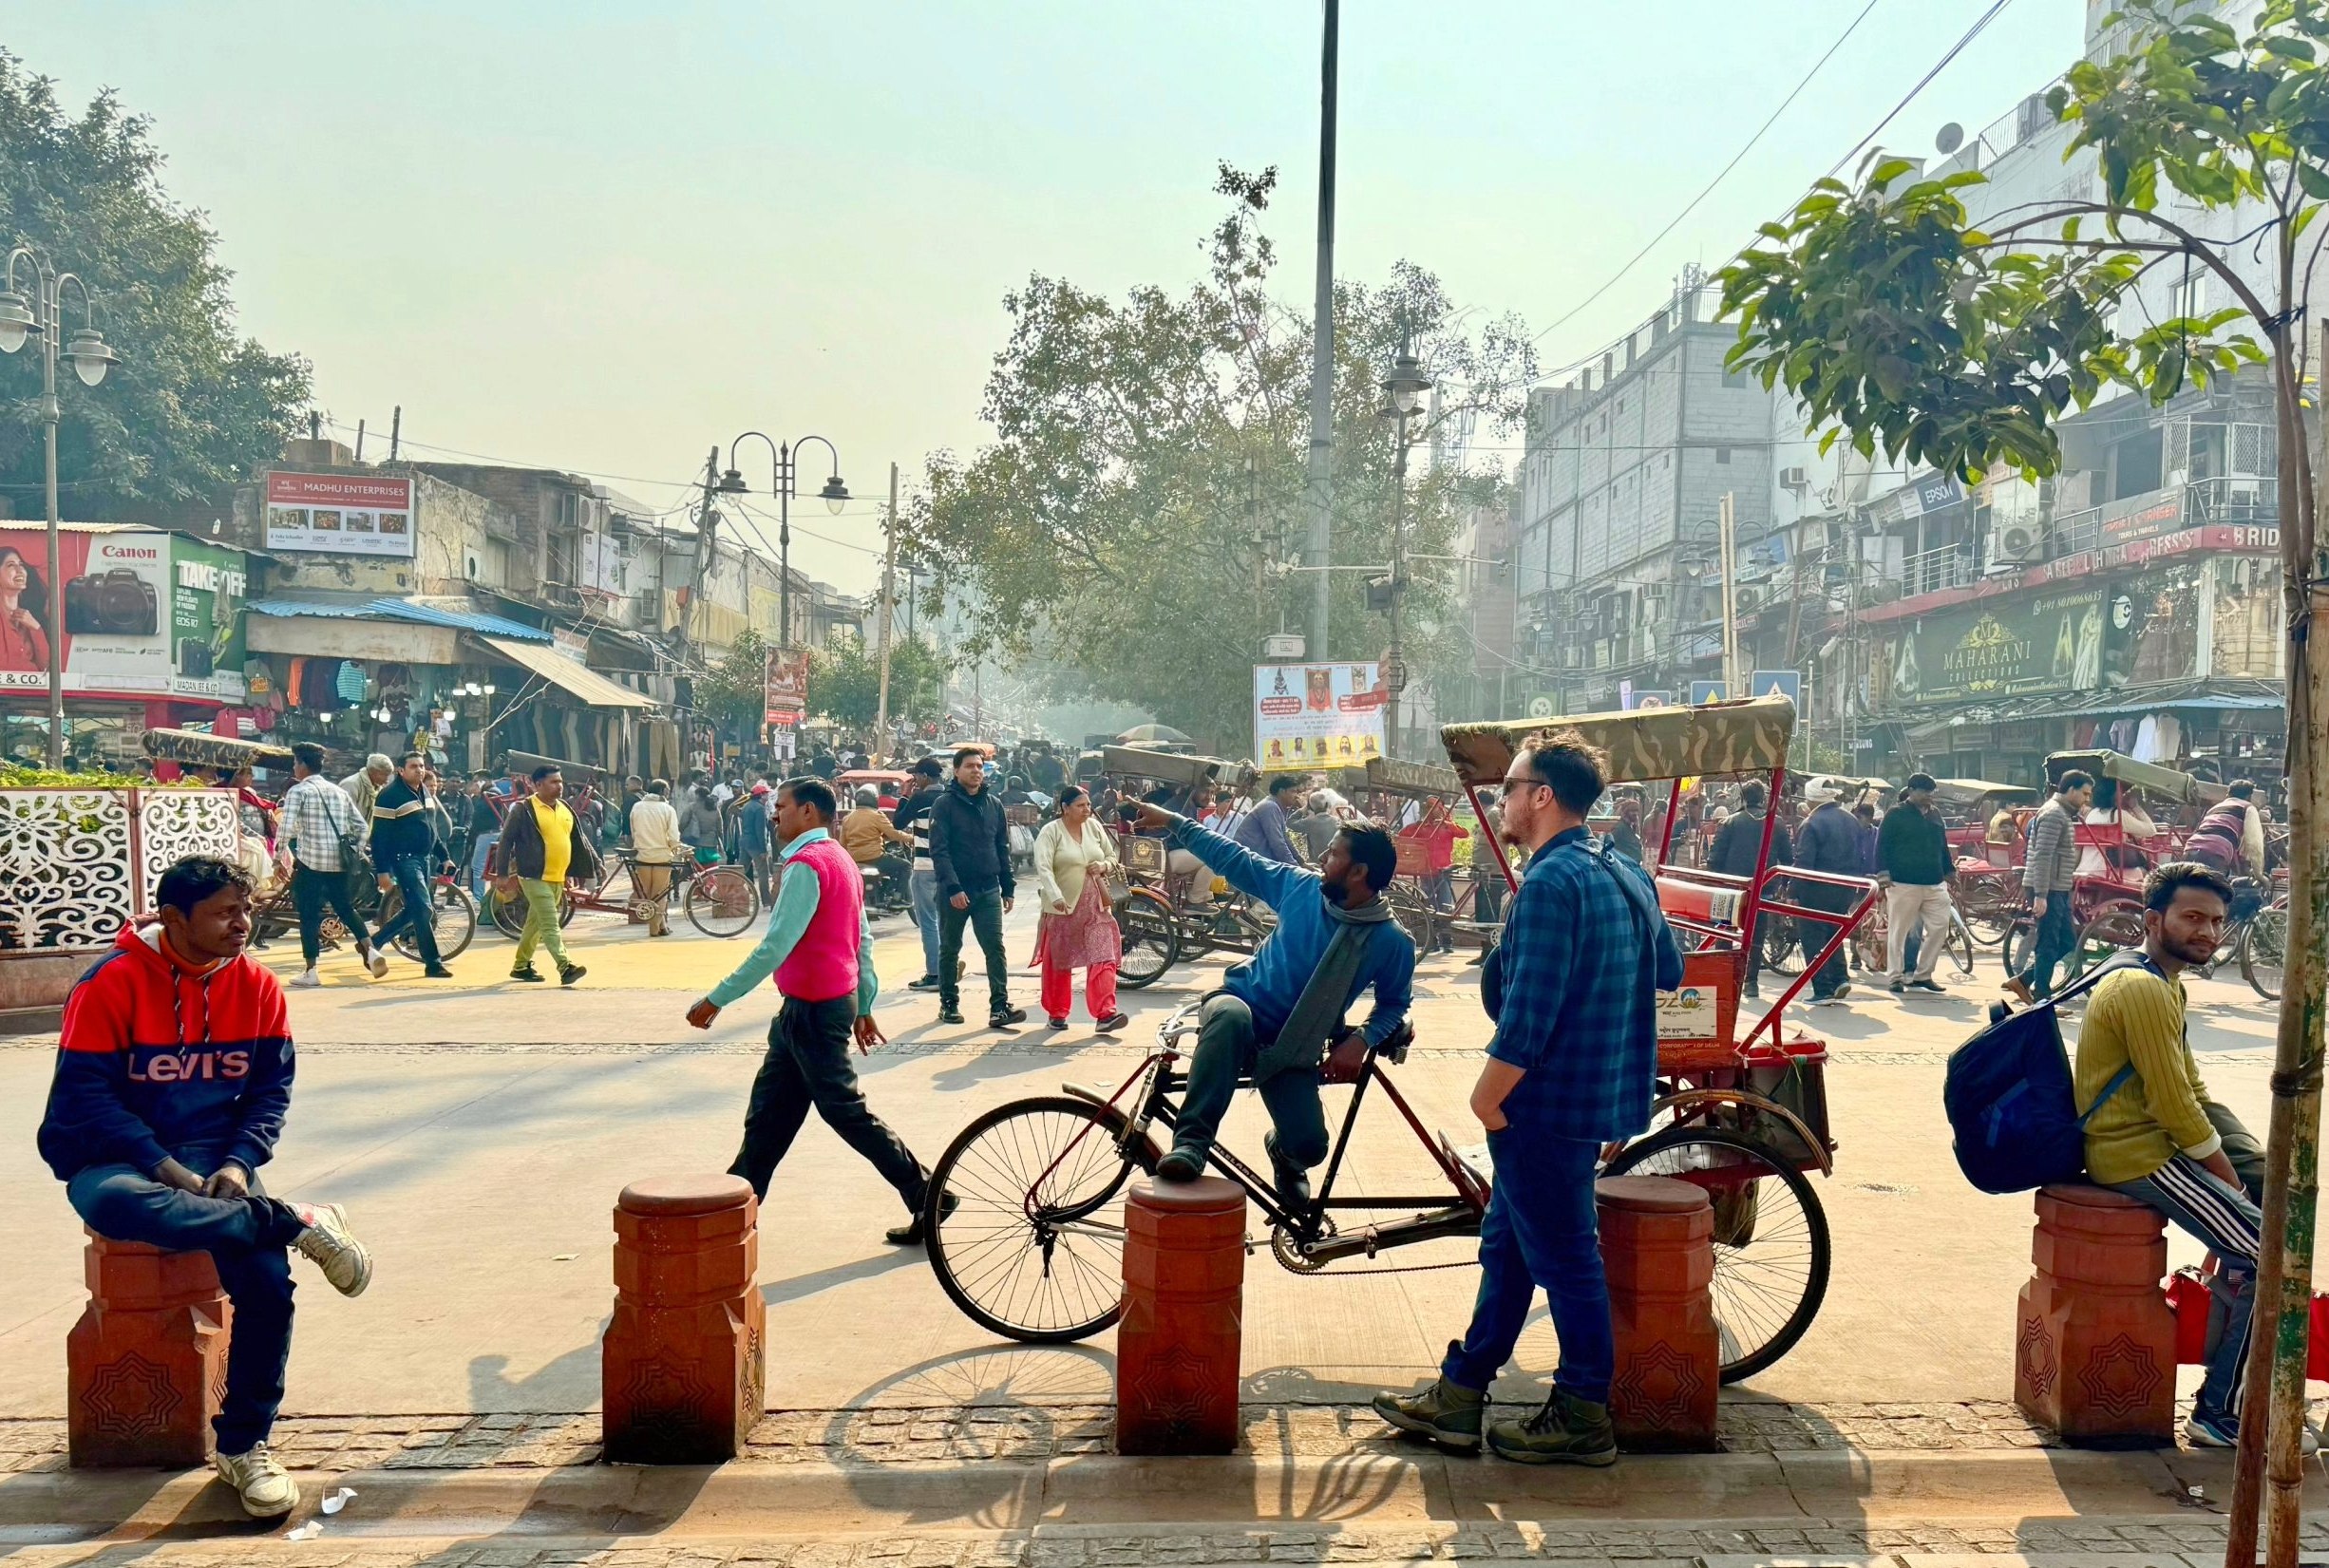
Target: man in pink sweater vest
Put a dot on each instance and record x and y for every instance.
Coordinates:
(821, 951)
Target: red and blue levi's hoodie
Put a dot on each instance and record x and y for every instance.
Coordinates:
(159, 1056)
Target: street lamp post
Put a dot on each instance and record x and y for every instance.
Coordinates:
(1403, 391)
(41, 315)
(833, 493)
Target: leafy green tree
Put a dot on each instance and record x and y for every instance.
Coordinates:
(1148, 466)
(192, 405)
(733, 693)
(1905, 327)
(845, 681)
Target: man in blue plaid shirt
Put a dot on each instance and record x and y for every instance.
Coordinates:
(1571, 1068)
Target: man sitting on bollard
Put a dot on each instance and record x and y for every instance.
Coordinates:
(1572, 1067)
(820, 948)
(173, 1076)
(1277, 1013)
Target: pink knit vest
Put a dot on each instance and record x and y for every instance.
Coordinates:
(822, 964)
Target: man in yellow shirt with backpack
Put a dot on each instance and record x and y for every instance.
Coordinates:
(2157, 1136)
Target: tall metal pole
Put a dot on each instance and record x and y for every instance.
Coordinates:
(1394, 668)
(52, 326)
(1729, 600)
(1323, 355)
(784, 546)
(889, 578)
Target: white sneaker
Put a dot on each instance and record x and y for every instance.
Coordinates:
(330, 1246)
(258, 1478)
(308, 980)
(378, 964)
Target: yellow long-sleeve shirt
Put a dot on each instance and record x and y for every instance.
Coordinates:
(2136, 1016)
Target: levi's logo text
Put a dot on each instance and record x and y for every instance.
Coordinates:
(162, 1064)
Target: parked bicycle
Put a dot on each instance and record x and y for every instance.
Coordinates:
(719, 899)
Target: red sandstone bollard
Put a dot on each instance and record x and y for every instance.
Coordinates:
(145, 1367)
(1657, 1247)
(682, 1368)
(1177, 1349)
(2095, 1347)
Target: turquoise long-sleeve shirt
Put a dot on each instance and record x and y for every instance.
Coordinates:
(796, 904)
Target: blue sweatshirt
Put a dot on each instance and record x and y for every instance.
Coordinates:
(161, 1057)
(1271, 981)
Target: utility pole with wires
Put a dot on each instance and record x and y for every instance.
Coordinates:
(881, 633)
(1727, 528)
(1322, 354)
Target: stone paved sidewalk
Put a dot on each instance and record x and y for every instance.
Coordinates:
(886, 1435)
(2084, 1543)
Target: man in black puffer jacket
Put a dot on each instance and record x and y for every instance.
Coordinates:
(969, 848)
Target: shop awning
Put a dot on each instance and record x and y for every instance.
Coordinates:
(576, 680)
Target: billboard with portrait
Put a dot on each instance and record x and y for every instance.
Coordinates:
(340, 513)
(1317, 715)
(2026, 646)
(107, 604)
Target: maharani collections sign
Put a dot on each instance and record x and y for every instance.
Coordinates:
(2045, 643)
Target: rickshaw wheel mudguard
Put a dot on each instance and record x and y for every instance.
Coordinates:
(1693, 1099)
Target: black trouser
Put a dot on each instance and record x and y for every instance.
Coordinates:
(419, 910)
(1488, 902)
(808, 1065)
(310, 891)
(1818, 934)
(985, 917)
(246, 1238)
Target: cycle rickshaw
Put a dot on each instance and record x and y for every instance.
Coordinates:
(1158, 924)
(1034, 1248)
(1386, 788)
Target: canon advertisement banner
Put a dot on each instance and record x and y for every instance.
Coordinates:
(1317, 715)
(342, 514)
(108, 605)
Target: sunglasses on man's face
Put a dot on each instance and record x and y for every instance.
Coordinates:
(1517, 783)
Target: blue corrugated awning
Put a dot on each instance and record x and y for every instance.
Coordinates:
(401, 609)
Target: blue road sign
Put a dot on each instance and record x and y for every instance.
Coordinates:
(1779, 683)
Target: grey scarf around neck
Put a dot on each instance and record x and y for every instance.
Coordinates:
(1318, 1012)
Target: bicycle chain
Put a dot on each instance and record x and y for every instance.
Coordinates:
(1295, 1263)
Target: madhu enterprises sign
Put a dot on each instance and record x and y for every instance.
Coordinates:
(342, 514)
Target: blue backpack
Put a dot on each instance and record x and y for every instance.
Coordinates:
(2010, 1097)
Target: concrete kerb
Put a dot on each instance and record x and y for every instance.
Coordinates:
(1407, 1488)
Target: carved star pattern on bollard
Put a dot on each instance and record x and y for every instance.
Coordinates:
(131, 1398)
(1658, 1385)
(2121, 1377)
(2035, 1349)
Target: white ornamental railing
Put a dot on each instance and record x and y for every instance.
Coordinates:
(77, 864)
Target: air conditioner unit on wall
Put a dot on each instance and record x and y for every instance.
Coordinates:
(1795, 479)
(2014, 544)
(1746, 597)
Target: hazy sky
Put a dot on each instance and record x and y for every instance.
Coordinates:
(604, 236)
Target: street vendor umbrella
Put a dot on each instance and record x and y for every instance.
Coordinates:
(1153, 734)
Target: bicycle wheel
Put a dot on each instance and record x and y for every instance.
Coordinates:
(1771, 1238)
(509, 914)
(2114, 928)
(2263, 949)
(1782, 950)
(1151, 939)
(1034, 1249)
(2020, 946)
(455, 924)
(1413, 913)
(1957, 943)
(722, 901)
(1988, 913)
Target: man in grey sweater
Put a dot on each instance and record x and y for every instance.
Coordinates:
(2047, 871)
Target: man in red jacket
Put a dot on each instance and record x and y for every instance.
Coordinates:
(172, 1081)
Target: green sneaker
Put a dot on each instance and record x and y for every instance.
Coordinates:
(1567, 1432)
(1447, 1413)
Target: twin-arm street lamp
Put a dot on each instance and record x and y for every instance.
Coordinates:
(1403, 391)
(41, 315)
(833, 493)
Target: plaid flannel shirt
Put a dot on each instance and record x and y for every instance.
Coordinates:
(1578, 1016)
(315, 813)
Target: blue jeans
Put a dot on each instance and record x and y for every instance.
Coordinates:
(985, 919)
(922, 889)
(1226, 1050)
(247, 1238)
(419, 910)
(2054, 938)
(1541, 1229)
(478, 858)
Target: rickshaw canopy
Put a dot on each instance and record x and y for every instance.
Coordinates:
(1708, 741)
(2157, 782)
(1388, 777)
(205, 751)
(1966, 792)
(525, 761)
(1178, 768)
